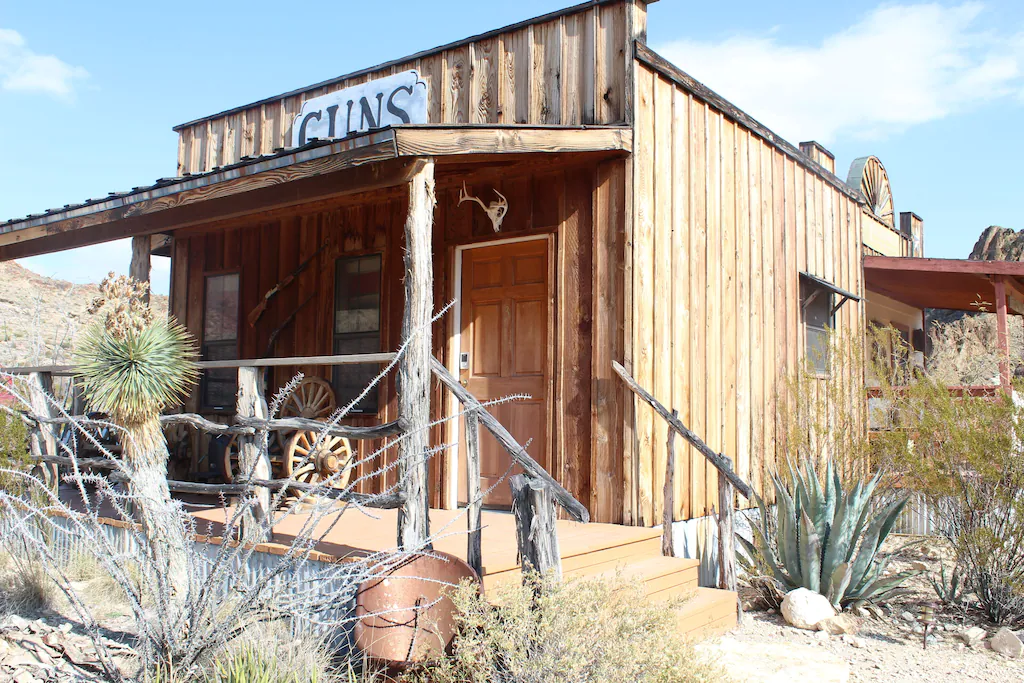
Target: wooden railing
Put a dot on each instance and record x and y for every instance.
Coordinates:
(535, 491)
(727, 481)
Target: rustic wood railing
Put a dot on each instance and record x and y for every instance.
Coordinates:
(535, 491)
(728, 480)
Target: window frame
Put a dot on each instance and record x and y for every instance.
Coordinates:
(216, 375)
(371, 403)
(810, 291)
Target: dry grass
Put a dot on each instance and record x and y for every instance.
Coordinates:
(270, 653)
(25, 588)
(966, 351)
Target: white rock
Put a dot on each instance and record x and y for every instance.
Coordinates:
(15, 622)
(1006, 642)
(803, 608)
(907, 616)
(854, 641)
(838, 625)
(973, 636)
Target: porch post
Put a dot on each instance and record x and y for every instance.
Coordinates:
(139, 269)
(1002, 334)
(413, 381)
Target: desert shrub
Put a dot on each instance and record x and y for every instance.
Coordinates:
(964, 454)
(582, 630)
(269, 653)
(13, 449)
(826, 537)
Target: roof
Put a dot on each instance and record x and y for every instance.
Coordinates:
(952, 284)
(312, 167)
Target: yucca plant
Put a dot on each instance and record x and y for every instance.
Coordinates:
(826, 538)
(132, 366)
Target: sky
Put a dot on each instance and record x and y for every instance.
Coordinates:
(89, 92)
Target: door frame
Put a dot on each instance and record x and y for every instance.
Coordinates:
(454, 430)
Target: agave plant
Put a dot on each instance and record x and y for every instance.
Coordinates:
(826, 539)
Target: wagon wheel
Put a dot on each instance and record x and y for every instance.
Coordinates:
(310, 462)
(312, 399)
(868, 175)
(230, 466)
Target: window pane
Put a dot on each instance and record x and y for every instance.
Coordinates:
(817, 349)
(220, 321)
(219, 385)
(357, 327)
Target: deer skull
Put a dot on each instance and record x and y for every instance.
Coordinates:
(496, 210)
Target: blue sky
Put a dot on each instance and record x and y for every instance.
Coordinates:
(89, 91)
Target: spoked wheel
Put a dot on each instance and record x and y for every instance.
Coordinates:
(231, 467)
(312, 399)
(310, 462)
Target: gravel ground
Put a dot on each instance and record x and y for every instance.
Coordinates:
(885, 648)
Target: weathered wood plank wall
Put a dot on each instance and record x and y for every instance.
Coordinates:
(725, 220)
(568, 69)
(581, 204)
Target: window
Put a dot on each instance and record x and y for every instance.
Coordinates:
(817, 310)
(220, 340)
(356, 327)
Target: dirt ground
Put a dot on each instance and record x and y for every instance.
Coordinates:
(885, 647)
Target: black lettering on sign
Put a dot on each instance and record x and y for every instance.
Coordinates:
(302, 127)
(348, 119)
(332, 114)
(366, 114)
(393, 108)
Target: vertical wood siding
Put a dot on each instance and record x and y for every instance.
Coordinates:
(724, 224)
(569, 70)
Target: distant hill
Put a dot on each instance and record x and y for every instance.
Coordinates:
(999, 244)
(40, 317)
(964, 345)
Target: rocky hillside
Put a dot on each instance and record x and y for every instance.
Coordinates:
(41, 317)
(999, 244)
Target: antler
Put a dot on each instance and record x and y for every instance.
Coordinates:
(496, 210)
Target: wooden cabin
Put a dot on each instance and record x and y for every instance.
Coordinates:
(643, 219)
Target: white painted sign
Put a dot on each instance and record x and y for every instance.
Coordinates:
(389, 101)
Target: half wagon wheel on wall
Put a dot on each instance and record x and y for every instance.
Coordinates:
(868, 175)
(312, 399)
(311, 459)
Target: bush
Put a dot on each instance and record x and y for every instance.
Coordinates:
(13, 451)
(25, 588)
(965, 455)
(580, 631)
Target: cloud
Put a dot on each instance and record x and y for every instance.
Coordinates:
(23, 70)
(899, 66)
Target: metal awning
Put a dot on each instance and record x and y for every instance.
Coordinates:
(844, 295)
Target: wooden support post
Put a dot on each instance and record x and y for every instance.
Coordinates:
(42, 437)
(413, 377)
(253, 461)
(727, 539)
(1002, 335)
(474, 516)
(536, 533)
(139, 269)
(667, 544)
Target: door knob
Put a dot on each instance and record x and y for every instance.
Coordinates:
(464, 382)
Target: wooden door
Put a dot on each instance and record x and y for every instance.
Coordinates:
(504, 349)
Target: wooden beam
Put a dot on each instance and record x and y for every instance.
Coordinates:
(463, 140)
(474, 516)
(42, 437)
(667, 519)
(413, 377)
(575, 508)
(719, 461)
(1002, 334)
(140, 265)
(253, 461)
(185, 208)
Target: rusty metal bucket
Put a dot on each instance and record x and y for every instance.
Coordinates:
(406, 616)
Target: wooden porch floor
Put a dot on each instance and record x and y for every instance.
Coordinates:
(588, 550)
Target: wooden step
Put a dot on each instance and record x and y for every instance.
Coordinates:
(658, 574)
(710, 612)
